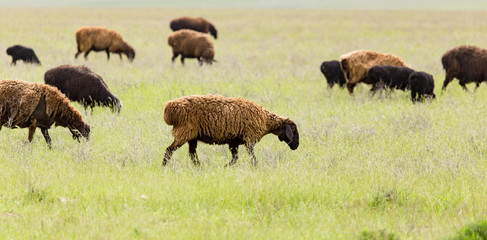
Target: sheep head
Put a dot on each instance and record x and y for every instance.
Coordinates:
(81, 130)
(289, 134)
(130, 52)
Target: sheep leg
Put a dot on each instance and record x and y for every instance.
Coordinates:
(86, 53)
(448, 79)
(174, 56)
(234, 151)
(192, 152)
(45, 133)
(169, 151)
(120, 55)
(350, 87)
(32, 130)
(182, 59)
(14, 61)
(413, 96)
(250, 150)
(108, 54)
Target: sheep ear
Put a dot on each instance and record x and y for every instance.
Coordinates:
(288, 131)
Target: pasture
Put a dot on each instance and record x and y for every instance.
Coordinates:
(381, 164)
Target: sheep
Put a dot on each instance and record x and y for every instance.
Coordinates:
(197, 24)
(25, 54)
(37, 105)
(422, 84)
(355, 65)
(221, 120)
(333, 73)
(82, 85)
(467, 64)
(391, 77)
(102, 39)
(191, 44)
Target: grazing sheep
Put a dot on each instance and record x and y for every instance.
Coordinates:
(220, 120)
(467, 64)
(391, 77)
(191, 44)
(25, 54)
(82, 85)
(355, 65)
(333, 73)
(197, 24)
(37, 105)
(422, 84)
(102, 39)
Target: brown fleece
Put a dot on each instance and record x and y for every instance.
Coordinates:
(191, 44)
(220, 120)
(102, 39)
(197, 24)
(355, 65)
(19, 101)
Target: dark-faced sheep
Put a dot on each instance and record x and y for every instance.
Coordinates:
(422, 85)
(37, 105)
(333, 73)
(355, 65)
(82, 85)
(197, 24)
(102, 39)
(221, 120)
(191, 44)
(25, 54)
(390, 77)
(467, 64)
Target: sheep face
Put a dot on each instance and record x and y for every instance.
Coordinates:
(289, 134)
(130, 54)
(83, 130)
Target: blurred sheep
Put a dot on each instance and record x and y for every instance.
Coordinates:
(25, 54)
(191, 44)
(355, 65)
(102, 39)
(197, 24)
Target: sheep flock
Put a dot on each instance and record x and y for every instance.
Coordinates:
(211, 119)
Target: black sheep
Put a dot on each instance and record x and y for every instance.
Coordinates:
(333, 73)
(25, 54)
(391, 77)
(81, 85)
(421, 84)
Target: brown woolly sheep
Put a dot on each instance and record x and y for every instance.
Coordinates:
(37, 105)
(82, 85)
(197, 24)
(220, 120)
(191, 44)
(102, 39)
(467, 63)
(355, 65)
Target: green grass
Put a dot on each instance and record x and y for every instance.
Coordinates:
(365, 168)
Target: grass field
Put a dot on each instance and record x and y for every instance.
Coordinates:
(364, 165)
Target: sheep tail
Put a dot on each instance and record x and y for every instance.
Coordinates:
(174, 113)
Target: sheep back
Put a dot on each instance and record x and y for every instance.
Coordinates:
(215, 119)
